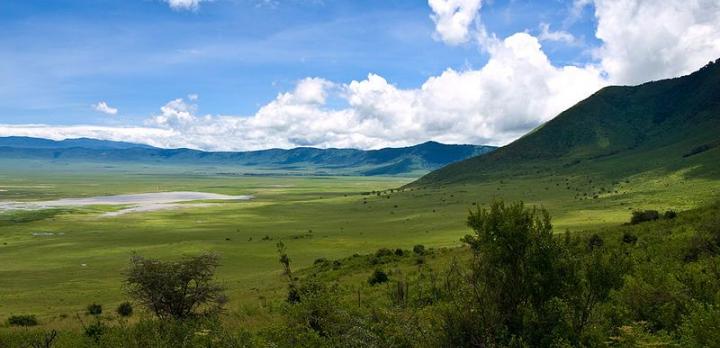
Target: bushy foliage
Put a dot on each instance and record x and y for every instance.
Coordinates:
(520, 285)
(524, 286)
(176, 289)
(378, 277)
(22, 320)
(125, 309)
(94, 309)
(639, 216)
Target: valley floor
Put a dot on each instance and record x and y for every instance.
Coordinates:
(57, 261)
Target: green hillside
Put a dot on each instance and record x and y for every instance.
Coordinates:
(619, 131)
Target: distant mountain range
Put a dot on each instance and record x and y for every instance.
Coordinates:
(413, 160)
(668, 126)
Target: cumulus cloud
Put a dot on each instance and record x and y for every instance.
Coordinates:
(649, 39)
(548, 35)
(105, 108)
(184, 4)
(175, 113)
(453, 19)
(143, 135)
(516, 90)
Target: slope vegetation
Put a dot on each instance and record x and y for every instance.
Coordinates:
(619, 131)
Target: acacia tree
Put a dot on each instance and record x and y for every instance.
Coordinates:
(176, 289)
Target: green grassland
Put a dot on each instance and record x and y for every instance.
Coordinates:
(316, 217)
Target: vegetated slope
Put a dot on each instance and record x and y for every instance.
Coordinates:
(668, 124)
(389, 161)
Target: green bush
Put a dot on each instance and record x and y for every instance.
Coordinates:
(378, 277)
(94, 309)
(640, 216)
(419, 249)
(384, 252)
(701, 327)
(629, 238)
(125, 309)
(22, 320)
(595, 241)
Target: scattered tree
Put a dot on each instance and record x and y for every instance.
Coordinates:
(176, 289)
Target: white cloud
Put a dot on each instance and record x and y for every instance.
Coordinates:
(143, 135)
(175, 113)
(650, 39)
(518, 88)
(184, 4)
(453, 19)
(548, 35)
(105, 108)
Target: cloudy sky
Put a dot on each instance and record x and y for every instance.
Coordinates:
(254, 74)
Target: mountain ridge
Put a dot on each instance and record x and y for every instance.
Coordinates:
(678, 115)
(387, 161)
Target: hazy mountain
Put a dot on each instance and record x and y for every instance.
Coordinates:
(39, 143)
(389, 161)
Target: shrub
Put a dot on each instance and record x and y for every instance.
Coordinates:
(94, 309)
(125, 309)
(595, 241)
(22, 320)
(701, 326)
(669, 215)
(178, 289)
(399, 252)
(629, 238)
(378, 277)
(320, 260)
(419, 249)
(95, 331)
(639, 216)
(382, 252)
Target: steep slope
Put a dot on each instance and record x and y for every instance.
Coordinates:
(389, 161)
(669, 124)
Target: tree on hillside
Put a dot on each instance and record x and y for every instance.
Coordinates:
(176, 289)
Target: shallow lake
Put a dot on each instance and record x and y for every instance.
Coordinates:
(139, 202)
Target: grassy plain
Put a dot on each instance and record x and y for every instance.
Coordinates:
(332, 217)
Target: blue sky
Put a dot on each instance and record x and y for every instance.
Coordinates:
(182, 72)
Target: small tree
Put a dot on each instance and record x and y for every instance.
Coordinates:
(94, 309)
(179, 289)
(125, 309)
